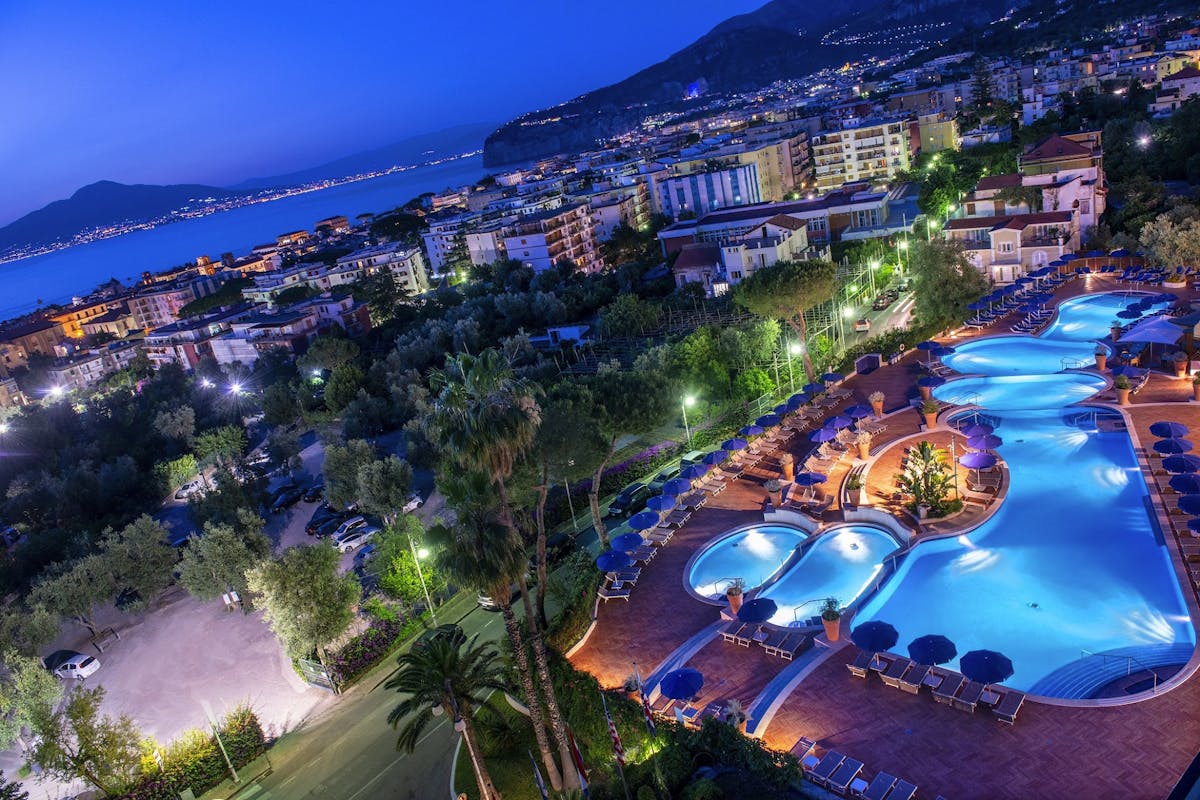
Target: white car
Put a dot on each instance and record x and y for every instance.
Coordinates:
(69, 664)
(414, 502)
(347, 526)
(355, 538)
(188, 489)
(862, 326)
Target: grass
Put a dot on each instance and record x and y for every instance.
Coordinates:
(507, 740)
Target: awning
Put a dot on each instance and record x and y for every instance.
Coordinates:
(1157, 330)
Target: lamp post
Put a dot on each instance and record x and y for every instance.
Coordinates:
(461, 727)
(570, 502)
(212, 720)
(901, 247)
(687, 401)
(873, 267)
(417, 556)
(794, 349)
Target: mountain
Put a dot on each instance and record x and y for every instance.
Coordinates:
(414, 150)
(104, 203)
(783, 39)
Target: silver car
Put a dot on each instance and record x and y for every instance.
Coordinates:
(355, 538)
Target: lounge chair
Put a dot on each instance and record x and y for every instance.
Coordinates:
(826, 767)
(949, 688)
(794, 646)
(773, 641)
(803, 748)
(644, 554)
(745, 635)
(1006, 710)
(859, 666)
(840, 780)
(607, 594)
(880, 785)
(911, 682)
(730, 631)
(903, 790)
(895, 671)
(663, 706)
(968, 698)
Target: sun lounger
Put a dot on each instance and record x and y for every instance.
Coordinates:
(880, 785)
(1006, 710)
(968, 698)
(826, 767)
(903, 790)
(607, 594)
(772, 641)
(949, 688)
(624, 578)
(745, 635)
(803, 748)
(895, 671)
(911, 682)
(840, 780)
(730, 630)
(794, 646)
(859, 666)
(643, 554)
(663, 706)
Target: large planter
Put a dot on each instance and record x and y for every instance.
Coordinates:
(864, 450)
(930, 420)
(832, 628)
(856, 496)
(1181, 369)
(878, 409)
(1123, 396)
(926, 392)
(735, 601)
(776, 498)
(1196, 392)
(787, 467)
(1101, 361)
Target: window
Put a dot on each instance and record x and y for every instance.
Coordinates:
(1006, 247)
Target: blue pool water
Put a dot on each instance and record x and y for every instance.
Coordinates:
(754, 555)
(841, 563)
(1071, 563)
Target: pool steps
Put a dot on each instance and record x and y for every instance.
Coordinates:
(1083, 677)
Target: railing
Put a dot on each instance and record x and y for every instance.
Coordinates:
(1073, 363)
(796, 610)
(728, 582)
(1129, 661)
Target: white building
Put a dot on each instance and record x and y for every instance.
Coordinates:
(702, 192)
(406, 264)
(861, 151)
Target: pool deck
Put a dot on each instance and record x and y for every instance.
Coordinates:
(1133, 751)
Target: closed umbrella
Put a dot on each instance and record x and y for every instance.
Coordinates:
(1189, 503)
(694, 472)
(661, 503)
(986, 442)
(734, 445)
(839, 422)
(822, 435)
(1169, 429)
(985, 666)
(767, 421)
(627, 542)
(676, 486)
(833, 377)
(1172, 446)
(757, 611)
(858, 412)
(977, 429)
(1185, 484)
(644, 521)
(715, 457)
(750, 430)
(932, 649)
(1183, 463)
(613, 561)
(813, 388)
(681, 684)
(874, 637)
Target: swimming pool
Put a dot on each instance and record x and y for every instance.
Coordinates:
(1071, 565)
(841, 563)
(754, 554)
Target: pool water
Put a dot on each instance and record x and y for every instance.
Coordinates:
(842, 563)
(755, 555)
(1072, 563)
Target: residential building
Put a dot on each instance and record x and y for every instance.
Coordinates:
(11, 395)
(700, 192)
(719, 266)
(779, 153)
(118, 322)
(1006, 247)
(552, 237)
(39, 336)
(257, 332)
(404, 262)
(154, 307)
(73, 316)
(187, 341)
(1175, 89)
(291, 239)
(1069, 169)
(332, 226)
(938, 133)
(874, 150)
(85, 369)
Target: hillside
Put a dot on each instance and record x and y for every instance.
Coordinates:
(783, 39)
(104, 203)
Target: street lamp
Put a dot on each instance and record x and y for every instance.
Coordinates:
(417, 556)
(794, 349)
(235, 389)
(212, 720)
(461, 727)
(901, 246)
(206, 383)
(687, 401)
(570, 502)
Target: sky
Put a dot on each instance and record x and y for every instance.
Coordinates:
(219, 92)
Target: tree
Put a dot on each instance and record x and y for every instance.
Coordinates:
(454, 676)
(178, 424)
(785, 291)
(926, 476)
(81, 742)
(280, 404)
(74, 590)
(946, 280)
(384, 486)
(342, 386)
(305, 598)
(139, 558)
(629, 315)
(341, 467)
(28, 694)
(284, 448)
(1174, 238)
(218, 561)
(393, 560)
(222, 446)
(11, 790)
(982, 90)
(178, 471)
(327, 353)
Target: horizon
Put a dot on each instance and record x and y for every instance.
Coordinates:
(155, 115)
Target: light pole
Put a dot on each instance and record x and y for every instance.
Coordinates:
(570, 502)
(461, 727)
(794, 349)
(212, 720)
(417, 556)
(901, 247)
(687, 401)
(873, 266)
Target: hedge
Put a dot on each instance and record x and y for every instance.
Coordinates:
(370, 647)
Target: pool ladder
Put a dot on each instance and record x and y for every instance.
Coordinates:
(1129, 661)
(796, 611)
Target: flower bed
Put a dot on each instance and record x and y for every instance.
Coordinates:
(369, 648)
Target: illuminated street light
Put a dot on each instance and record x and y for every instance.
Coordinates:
(56, 392)
(688, 400)
(206, 383)
(417, 556)
(1143, 141)
(235, 389)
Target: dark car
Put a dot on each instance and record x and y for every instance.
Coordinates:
(320, 517)
(329, 527)
(447, 631)
(285, 497)
(631, 499)
(883, 301)
(315, 492)
(660, 480)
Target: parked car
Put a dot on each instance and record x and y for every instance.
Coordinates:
(903, 286)
(355, 538)
(660, 480)
(348, 525)
(630, 500)
(314, 492)
(361, 557)
(694, 457)
(415, 501)
(70, 664)
(285, 497)
(188, 489)
(447, 631)
(320, 517)
(862, 326)
(883, 301)
(328, 527)
(488, 603)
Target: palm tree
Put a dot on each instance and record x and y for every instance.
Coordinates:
(452, 676)
(926, 476)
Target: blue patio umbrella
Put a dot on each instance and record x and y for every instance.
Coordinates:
(1172, 447)
(750, 430)
(1041, 298)
(809, 478)
(627, 542)
(977, 429)
(676, 486)
(1127, 371)
(758, 610)
(977, 460)
(694, 471)
(767, 420)
(715, 457)
(1189, 503)
(734, 445)
(932, 649)
(1194, 524)
(988, 441)
(858, 412)
(1129, 313)
(1165, 297)
(1183, 463)
(780, 409)
(1185, 484)
(1120, 253)
(661, 502)
(985, 666)
(681, 684)
(839, 422)
(1064, 257)
(931, 381)
(1169, 429)
(833, 377)
(929, 346)
(822, 435)
(794, 403)
(874, 636)
(977, 306)
(944, 350)
(613, 561)
(644, 521)
(813, 388)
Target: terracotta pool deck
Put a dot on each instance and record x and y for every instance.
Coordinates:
(1131, 751)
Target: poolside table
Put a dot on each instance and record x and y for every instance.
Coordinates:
(881, 784)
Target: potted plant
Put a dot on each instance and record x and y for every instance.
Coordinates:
(1114, 328)
(632, 686)
(1101, 357)
(930, 408)
(775, 489)
(926, 391)
(831, 618)
(735, 715)
(733, 593)
(1121, 384)
(854, 489)
(1196, 387)
(876, 400)
(863, 440)
(1180, 360)
(787, 468)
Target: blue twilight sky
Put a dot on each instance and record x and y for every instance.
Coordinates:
(221, 91)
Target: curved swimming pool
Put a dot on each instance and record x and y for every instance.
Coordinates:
(1072, 564)
(753, 554)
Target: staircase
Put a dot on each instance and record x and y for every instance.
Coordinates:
(1084, 677)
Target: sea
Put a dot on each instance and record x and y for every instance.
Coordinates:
(57, 277)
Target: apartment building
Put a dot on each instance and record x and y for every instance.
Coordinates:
(719, 266)
(82, 370)
(780, 156)
(1006, 247)
(938, 132)
(257, 332)
(187, 341)
(1069, 169)
(74, 316)
(861, 151)
(20, 340)
(117, 322)
(406, 264)
(562, 235)
(156, 306)
(11, 395)
(1175, 89)
(697, 193)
